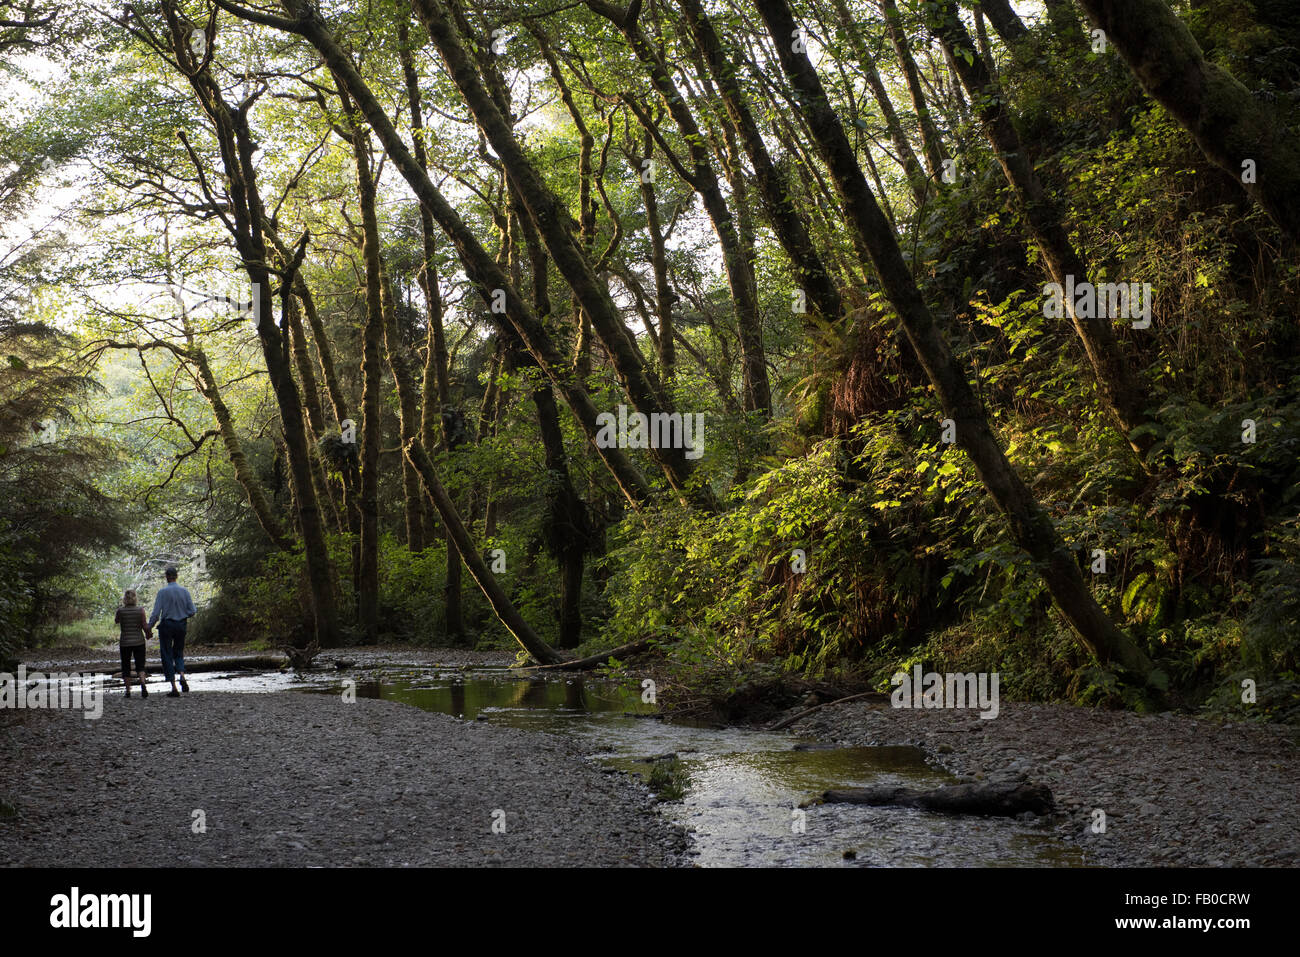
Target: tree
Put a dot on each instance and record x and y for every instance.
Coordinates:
(242, 212)
(1240, 133)
(1031, 526)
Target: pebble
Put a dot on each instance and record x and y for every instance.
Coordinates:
(1176, 790)
(296, 780)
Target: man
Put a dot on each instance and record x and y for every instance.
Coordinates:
(172, 610)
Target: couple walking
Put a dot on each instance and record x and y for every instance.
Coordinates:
(172, 609)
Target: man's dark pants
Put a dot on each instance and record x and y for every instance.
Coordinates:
(171, 643)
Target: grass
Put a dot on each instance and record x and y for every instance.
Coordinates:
(669, 780)
(98, 632)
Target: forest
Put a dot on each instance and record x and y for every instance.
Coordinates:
(776, 340)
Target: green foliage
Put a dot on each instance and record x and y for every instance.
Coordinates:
(850, 533)
(1271, 627)
(668, 780)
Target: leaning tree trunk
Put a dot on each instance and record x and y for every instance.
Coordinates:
(495, 594)
(417, 455)
(244, 475)
(1006, 22)
(931, 142)
(774, 186)
(1124, 396)
(1031, 527)
(486, 275)
(238, 460)
(704, 180)
(916, 177)
(554, 223)
(1232, 127)
(413, 450)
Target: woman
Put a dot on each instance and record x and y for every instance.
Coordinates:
(135, 629)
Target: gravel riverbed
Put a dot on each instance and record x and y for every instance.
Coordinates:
(1175, 790)
(307, 780)
(294, 779)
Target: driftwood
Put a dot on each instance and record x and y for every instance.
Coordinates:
(594, 661)
(1001, 799)
(243, 663)
(799, 716)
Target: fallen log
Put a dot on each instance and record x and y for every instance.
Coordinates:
(998, 799)
(799, 716)
(197, 666)
(593, 661)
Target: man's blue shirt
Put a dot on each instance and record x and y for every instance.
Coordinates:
(172, 601)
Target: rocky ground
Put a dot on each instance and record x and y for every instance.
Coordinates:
(1175, 790)
(305, 779)
(308, 780)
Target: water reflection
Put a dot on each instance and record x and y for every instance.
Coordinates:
(506, 698)
(742, 805)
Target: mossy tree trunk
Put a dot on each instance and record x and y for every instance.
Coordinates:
(554, 224)
(1124, 396)
(1232, 127)
(931, 141)
(1031, 527)
(372, 338)
(244, 216)
(774, 186)
(482, 270)
(435, 390)
(702, 177)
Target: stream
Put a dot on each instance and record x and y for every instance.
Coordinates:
(743, 790)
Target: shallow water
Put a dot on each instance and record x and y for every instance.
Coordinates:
(742, 802)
